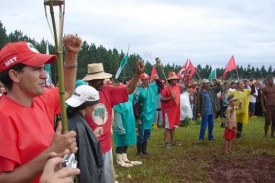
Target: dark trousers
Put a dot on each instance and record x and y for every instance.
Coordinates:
(239, 129)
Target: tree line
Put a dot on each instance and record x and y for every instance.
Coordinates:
(90, 53)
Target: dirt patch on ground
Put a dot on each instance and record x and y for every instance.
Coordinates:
(261, 169)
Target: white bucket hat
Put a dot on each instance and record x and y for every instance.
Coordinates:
(83, 93)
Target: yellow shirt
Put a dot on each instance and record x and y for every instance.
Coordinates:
(241, 96)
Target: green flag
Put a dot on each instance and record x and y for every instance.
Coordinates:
(48, 68)
(121, 66)
(213, 73)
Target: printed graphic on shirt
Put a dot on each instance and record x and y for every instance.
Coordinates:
(100, 115)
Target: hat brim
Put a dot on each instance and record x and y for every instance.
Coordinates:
(102, 75)
(73, 102)
(39, 59)
(172, 77)
(145, 78)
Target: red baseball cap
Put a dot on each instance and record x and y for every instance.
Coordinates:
(22, 52)
(144, 76)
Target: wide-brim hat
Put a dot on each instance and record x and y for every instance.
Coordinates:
(96, 71)
(172, 75)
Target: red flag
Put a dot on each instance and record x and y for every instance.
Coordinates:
(191, 70)
(187, 69)
(181, 72)
(231, 65)
(153, 73)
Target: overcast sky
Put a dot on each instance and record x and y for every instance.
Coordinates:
(204, 31)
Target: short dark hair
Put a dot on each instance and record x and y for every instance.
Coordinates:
(71, 110)
(5, 78)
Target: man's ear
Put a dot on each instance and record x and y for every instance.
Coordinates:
(14, 75)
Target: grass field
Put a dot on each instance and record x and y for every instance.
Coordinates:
(189, 162)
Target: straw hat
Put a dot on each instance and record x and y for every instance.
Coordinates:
(96, 71)
(172, 75)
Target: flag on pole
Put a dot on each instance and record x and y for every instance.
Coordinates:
(231, 65)
(191, 70)
(121, 66)
(153, 73)
(48, 67)
(182, 71)
(213, 73)
(187, 69)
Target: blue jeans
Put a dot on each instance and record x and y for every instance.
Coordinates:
(207, 120)
(143, 135)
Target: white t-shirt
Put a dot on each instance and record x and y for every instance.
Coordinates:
(253, 97)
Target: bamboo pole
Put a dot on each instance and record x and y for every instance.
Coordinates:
(161, 68)
(59, 55)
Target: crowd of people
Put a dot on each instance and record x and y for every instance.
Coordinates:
(98, 110)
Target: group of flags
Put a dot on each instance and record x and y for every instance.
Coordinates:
(187, 70)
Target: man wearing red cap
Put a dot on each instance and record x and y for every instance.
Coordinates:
(27, 110)
(171, 109)
(145, 110)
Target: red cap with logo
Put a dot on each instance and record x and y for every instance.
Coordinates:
(22, 52)
(144, 76)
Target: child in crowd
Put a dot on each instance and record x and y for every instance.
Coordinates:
(230, 127)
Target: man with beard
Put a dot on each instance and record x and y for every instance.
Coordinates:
(101, 122)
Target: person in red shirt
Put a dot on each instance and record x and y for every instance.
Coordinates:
(171, 109)
(101, 122)
(27, 110)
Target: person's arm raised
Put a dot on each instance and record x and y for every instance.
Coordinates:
(72, 45)
(139, 70)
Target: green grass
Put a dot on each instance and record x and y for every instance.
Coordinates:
(188, 162)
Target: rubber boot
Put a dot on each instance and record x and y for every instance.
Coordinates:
(121, 162)
(124, 158)
(144, 148)
(119, 159)
(139, 149)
